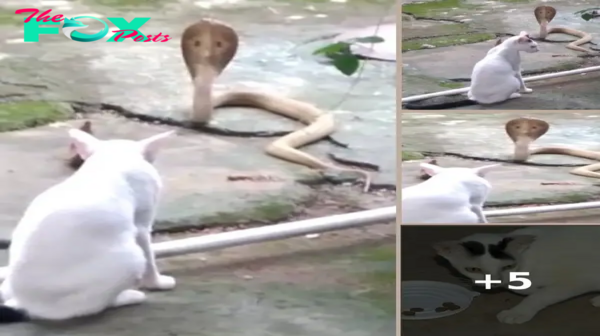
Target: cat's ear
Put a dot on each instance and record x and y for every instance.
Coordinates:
(431, 169)
(523, 37)
(518, 244)
(151, 145)
(448, 249)
(482, 171)
(83, 143)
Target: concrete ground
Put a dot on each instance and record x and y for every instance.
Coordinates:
(341, 283)
(589, 216)
(196, 170)
(573, 317)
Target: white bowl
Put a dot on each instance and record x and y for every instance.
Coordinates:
(430, 295)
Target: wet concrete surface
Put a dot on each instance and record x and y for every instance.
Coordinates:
(342, 283)
(567, 93)
(384, 50)
(195, 169)
(424, 73)
(589, 216)
(419, 263)
(151, 78)
(483, 136)
(463, 58)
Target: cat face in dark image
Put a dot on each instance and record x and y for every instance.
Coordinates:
(480, 254)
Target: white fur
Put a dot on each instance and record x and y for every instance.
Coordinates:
(562, 262)
(84, 244)
(497, 77)
(450, 195)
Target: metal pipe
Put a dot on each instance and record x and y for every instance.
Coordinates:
(267, 233)
(273, 232)
(527, 79)
(541, 209)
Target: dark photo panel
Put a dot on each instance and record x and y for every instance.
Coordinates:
(500, 280)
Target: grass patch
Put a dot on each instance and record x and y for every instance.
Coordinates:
(450, 85)
(268, 211)
(382, 279)
(20, 115)
(384, 253)
(409, 156)
(272, 211)
(446, 41)
(431, 7)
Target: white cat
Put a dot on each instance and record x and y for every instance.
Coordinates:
(562, 262)
(84, 245)
(450, 195)
(497, 77)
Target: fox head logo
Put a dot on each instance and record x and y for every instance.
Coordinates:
(71, 26)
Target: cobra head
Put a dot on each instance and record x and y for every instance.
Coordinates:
(544, 14)
(523, 132)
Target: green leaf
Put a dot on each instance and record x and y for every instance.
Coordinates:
(587, 10)
(587, 16)
(368, 39)
(334, 48)
(346, 64)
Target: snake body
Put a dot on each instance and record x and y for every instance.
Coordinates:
(207, 47)
(545, 14)
(586, 171)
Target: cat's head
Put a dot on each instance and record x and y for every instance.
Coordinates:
(523, 42)
(458, 174)
(86, 145)
(480, 254)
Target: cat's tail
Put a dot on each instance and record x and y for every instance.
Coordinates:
(439, 106)
(12, 315)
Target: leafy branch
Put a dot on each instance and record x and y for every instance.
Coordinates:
(588, 14)
(341, 56)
